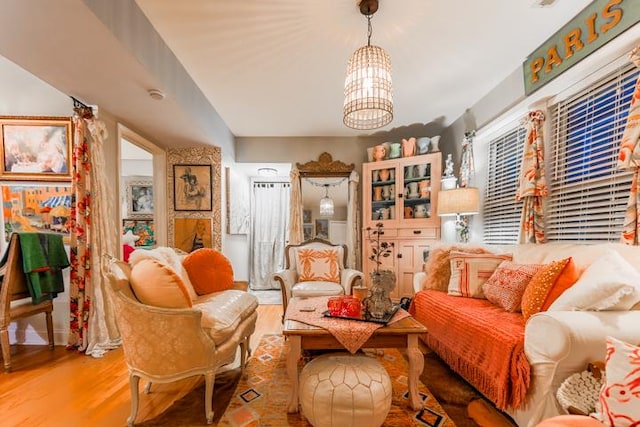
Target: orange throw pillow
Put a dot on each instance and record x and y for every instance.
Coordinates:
(547, 285)
(158, 285)
(209, 271)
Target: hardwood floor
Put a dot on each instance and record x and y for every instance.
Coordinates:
(65, 388)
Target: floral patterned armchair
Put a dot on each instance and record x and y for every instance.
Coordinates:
(315, 268)
(168, 344)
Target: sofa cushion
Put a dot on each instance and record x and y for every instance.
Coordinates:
(507, 284)
(168, 257)
(470, 271)
(318, 265)
(209, 270)
(158, 285)
(619, 397)
(316, 288)
(438, 265)
(223, 311)
(547, 285)
(610, 283)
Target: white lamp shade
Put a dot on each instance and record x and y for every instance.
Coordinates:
(368, 100)
(459, 201)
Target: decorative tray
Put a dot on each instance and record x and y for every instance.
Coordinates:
(365, 317)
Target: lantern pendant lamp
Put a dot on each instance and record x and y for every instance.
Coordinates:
(368, 98)
(326, 203)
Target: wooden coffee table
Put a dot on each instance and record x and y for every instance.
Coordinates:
(401, 334)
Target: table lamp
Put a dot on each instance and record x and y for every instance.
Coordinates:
(460, 202)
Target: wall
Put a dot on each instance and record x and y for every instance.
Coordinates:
(25, 95)
(507, 103)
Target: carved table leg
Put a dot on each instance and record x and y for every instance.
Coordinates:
(416, 365)
(295, 350)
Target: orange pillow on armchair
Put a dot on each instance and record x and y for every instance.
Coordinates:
(209, 271)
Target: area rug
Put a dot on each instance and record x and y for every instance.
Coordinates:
(261, 399)
(464, 404)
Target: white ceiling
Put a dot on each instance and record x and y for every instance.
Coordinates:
(276, 68)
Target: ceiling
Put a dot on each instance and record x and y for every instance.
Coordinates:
(269, 68)
(277, 67)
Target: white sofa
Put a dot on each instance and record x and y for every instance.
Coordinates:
(560, 343)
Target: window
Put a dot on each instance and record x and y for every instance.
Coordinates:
(501, 211)
(587, 194)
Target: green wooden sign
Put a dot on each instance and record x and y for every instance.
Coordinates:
(596, 25)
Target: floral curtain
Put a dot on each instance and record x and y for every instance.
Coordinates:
(532, 187)
(92, 321)
(629, 159)
(295, 209)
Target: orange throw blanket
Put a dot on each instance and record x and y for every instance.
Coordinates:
(480, 341)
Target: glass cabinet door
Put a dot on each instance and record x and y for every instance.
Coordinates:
(417, 179)
(383, 193)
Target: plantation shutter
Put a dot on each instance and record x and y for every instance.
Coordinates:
(501, 211)
(588, 195)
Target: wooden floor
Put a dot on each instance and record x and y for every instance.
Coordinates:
(64, 388)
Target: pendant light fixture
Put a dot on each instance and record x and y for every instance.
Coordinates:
(368, 98)
(326, 203)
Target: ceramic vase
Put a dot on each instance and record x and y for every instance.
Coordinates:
(434, 143)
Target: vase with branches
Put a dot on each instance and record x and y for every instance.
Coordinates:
(383, 281)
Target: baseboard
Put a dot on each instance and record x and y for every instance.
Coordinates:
(31, 336)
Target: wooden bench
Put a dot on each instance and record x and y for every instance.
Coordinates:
(13, 287)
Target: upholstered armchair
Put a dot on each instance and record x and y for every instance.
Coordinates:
(166, 344)
(315, 268)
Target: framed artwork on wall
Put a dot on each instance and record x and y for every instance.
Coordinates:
(35, 148)
(36, 208)
(307, 231)
(192, 185)
(322, 228)
(306, 216)
(139, 196)
(192, 233)
(143, 228)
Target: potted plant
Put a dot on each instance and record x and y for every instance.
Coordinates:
(383, 281)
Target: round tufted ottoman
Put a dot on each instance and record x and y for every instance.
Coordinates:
(342, 390)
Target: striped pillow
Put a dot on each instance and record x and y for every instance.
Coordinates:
(470, 271)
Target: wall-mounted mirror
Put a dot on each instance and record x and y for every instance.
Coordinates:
(329, 203)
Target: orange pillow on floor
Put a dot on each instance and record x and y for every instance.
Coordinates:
(547, 285)
(208, 270)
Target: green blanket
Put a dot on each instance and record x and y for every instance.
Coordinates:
(43, 259)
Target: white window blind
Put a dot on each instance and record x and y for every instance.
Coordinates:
(501, 212)
(588, 195)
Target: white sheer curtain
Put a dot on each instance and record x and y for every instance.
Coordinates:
(269, 226)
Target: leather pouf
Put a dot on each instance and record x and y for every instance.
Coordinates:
(343, 390)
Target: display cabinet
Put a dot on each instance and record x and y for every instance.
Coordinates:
(402, 194)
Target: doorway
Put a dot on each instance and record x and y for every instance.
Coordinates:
(142, 190)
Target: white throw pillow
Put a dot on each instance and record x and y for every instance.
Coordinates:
(609, 283)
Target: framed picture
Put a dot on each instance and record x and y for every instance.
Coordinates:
(322, 228)
(143, 228)
(307, 231)
(306, 216)
(192, 186)
(36, 208)
(139, 195)
(35, 148)
(190, 234)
